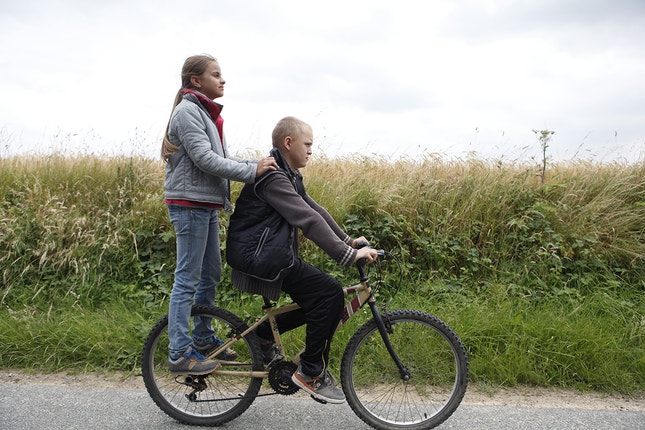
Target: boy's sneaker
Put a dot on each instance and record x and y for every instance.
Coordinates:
(322, 388)
(192, 363)
(206, 350)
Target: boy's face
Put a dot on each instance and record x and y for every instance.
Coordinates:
(298, 150)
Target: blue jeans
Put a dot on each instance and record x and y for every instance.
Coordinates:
(198, 271)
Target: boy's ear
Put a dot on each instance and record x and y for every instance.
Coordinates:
(287, 143)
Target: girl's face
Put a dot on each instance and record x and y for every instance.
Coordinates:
(210, 83)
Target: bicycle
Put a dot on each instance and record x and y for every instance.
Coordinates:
(402, 369)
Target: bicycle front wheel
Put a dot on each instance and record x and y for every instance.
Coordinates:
(208, 400)
(436, 363)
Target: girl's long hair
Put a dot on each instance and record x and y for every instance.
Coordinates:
(193, 66)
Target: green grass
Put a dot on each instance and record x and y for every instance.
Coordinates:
(544, 282)
(72, 338)
(548, 346)
(596, 345)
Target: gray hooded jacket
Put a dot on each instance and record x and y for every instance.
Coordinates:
(200, 171)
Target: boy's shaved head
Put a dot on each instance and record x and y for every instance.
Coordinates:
(288, 126)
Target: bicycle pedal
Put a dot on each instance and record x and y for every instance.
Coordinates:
(318, 400)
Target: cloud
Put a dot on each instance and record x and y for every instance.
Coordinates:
(371, 76)
(485, 21)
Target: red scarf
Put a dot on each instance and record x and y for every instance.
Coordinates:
(213, 109)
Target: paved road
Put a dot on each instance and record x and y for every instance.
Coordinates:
(69, 407)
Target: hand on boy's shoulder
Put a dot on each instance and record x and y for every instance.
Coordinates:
(266, 164)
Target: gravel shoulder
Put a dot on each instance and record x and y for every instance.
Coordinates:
(517, 396)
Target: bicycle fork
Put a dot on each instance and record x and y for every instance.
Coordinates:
(384, 331)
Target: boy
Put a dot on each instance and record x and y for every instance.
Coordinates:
(262, 250)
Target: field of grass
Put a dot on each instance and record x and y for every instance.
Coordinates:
(541, 273)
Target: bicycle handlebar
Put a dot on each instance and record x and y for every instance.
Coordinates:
(362, 244)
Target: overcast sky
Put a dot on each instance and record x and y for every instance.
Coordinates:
(396, 79)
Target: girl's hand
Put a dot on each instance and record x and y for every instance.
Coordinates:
(266, 164)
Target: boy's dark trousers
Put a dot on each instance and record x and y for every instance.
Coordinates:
(321, 299)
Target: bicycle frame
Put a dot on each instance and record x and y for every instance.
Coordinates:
(363, 294)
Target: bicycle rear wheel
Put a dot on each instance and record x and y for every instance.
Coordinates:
(202, 400)
(432, 353)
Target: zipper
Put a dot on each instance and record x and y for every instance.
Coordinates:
(263, 239)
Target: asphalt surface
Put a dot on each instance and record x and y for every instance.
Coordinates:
(30, 406)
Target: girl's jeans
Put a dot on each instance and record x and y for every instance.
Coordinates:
(199, 268)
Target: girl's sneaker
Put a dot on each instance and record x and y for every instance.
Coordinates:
(226, 355)
(192, 363)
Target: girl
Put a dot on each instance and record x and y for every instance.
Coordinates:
(198, 170)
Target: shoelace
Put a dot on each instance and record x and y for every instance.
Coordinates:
(329, 377)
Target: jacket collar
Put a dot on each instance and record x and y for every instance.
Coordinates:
(294, 176)
(214, 109)
(275, 153)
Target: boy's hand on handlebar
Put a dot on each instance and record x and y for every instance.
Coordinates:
(368, 254)
(360, 242)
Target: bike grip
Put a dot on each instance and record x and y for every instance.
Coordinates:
(362, 261)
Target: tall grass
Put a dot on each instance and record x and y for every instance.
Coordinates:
(543, 281)
(73, 226)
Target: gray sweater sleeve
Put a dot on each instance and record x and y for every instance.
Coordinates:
(203, 145)
(315, 222)
(329, 219)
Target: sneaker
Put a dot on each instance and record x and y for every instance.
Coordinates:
(206, 350)
(192, 363)
(321, 388)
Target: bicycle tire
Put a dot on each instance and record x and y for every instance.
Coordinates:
(220, 398)
(431, 351)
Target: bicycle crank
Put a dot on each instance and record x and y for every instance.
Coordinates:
(280, 378)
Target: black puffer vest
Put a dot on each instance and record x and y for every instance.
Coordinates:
(260, 242)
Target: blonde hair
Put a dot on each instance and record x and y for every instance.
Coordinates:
(288, 126)
(193, 66)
